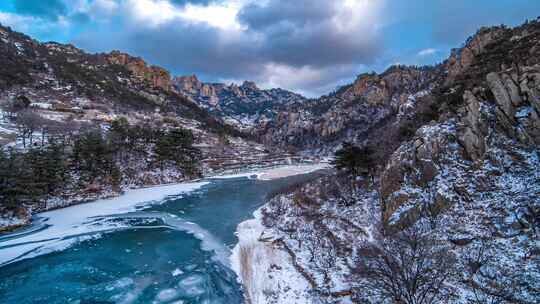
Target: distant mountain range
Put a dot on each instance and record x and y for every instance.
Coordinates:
(244, 106)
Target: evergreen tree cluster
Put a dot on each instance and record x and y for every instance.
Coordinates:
(93, 156)
(355, 160)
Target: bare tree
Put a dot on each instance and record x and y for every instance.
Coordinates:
(491, 282)
(28, 122)
(409, 267)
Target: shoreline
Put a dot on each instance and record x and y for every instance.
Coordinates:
(57, 204)
(66, 225)
(264, 268)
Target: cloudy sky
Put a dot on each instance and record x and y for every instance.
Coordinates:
(308, 46)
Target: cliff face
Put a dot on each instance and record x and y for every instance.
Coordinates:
(463, 177)
(498, 113)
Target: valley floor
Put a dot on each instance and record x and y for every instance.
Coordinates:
(12, 221)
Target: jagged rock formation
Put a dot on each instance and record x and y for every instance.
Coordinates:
(465, 167)
(499, 112)
(156, 76)
(350, 112)
(245, 106)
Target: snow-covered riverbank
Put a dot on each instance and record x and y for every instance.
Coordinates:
(12, 221)
(265, 270)
(277, 172)
(62, 227)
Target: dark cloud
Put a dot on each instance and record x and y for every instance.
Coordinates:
(302, 44)
(188, 48)
(304, 32)
(318, 45)
(294, 34)
(49, 9)
(298, 13)
(185, 2)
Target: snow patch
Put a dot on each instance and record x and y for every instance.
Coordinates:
(277, 172)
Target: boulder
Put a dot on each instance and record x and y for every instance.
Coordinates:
(502, 98)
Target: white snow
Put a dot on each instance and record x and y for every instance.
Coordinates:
(11, 221)
(277, 172)
(8, 131)
(266, 271)
(41, 105)
(177, 272)
(72, 224)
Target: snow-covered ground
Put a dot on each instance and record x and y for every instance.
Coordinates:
(277, 172)
(63, 227)
(265, 270)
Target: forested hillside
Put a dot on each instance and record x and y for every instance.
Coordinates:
(76, 126)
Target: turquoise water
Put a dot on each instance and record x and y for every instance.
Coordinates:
(175, 251)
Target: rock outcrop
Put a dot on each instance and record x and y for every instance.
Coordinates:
(156, 76)
(463, 58)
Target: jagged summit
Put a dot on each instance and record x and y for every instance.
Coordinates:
(245, 106)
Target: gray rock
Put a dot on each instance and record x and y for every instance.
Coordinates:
(502, 98)
(472, 136)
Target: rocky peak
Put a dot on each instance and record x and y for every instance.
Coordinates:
(391, 87)
(462, 58)
(250, 85)
(244, 106)
(188, 83)
(156, 76)
(370, 86)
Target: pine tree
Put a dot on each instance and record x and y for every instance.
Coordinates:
(176, 146)
(93, 155)
(357, 161)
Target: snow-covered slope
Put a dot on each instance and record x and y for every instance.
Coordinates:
(451, 212)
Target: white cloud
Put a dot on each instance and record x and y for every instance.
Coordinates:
(106, 5)
(219, 15)
(95, 8)
(427, 52)
(158, 12)
(355, 15)
(152, 12)
(308, 81)
(31, 25)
